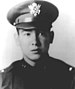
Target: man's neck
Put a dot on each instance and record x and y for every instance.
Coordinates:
(32, 62)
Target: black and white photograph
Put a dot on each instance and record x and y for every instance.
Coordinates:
(37, 44)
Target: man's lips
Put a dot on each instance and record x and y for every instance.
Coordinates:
(36, 50)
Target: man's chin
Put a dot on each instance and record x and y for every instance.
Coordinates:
(35, 56)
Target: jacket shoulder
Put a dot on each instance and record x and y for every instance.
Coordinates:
(5, 77)
(7, 69)
(61, 65)
(11, 67)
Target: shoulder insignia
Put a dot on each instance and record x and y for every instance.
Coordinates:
(1, 71)
(71, 68)
(6, 69)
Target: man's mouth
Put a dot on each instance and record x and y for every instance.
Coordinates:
(35, 51)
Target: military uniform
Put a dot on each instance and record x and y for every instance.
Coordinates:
(49, 73)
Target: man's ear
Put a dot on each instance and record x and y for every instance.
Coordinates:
(51, 36)
(16, 39)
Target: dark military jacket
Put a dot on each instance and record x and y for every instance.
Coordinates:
(49, 73)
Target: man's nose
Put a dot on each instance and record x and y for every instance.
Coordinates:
(36, 39)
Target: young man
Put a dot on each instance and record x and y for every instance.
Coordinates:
(33, 21)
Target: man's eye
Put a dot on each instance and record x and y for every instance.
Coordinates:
(27, 34)
(42, 34)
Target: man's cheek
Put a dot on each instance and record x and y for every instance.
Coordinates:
(43, 46)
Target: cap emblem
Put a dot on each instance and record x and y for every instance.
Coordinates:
(34, 9)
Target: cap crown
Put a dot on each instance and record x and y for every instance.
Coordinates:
(34, 12)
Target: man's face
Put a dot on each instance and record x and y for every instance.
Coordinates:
(34, 42)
